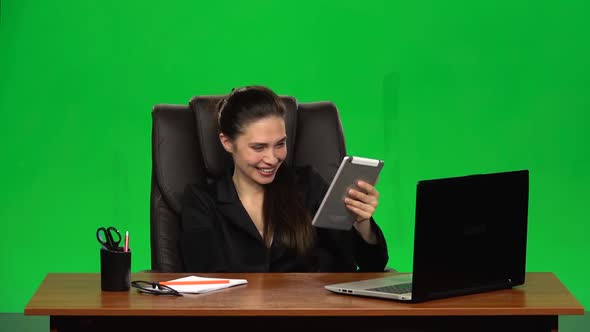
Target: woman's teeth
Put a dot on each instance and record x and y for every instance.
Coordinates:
(266, 170)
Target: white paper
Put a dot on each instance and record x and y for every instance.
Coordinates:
(197, 289)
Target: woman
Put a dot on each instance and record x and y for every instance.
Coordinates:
(258, 217)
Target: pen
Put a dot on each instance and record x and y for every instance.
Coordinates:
(126, 247)
(194, 282)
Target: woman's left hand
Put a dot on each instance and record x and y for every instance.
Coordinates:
(362, 202)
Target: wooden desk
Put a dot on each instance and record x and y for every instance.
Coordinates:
(294, 302)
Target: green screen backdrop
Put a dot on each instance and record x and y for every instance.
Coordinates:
(435, 88)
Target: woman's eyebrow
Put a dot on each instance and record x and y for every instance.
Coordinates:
(265, 144)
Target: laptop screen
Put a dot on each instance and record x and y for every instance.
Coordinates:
(470, 233)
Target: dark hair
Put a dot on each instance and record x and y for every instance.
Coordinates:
(283, 209)
(246, 105)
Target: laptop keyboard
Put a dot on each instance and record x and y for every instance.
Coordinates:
(394, 289)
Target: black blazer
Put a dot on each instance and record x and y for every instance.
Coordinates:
(217, 235)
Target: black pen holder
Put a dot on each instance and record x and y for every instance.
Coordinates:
(115, 269)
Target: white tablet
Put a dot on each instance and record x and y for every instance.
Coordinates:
(332, 212)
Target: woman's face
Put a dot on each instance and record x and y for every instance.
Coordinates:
(259, 150)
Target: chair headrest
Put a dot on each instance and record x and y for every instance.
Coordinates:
(215, 158)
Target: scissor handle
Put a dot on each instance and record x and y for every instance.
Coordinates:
(105, 237)
(101, 236)
(113, 240)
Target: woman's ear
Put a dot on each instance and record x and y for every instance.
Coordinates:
(226, 142)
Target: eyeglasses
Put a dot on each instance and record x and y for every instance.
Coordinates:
(154, 288)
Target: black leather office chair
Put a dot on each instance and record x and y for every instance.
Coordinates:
(186, 149)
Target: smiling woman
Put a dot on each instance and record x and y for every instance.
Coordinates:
(258, 217)
(256, 137)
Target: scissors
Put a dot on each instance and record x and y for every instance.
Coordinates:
(109, 237)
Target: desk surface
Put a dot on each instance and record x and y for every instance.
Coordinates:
(289, 294)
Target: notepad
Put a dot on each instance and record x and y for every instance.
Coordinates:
(201, 286)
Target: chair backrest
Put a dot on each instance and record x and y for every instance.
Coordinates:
(186, 149)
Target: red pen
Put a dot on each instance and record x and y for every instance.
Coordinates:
(126, 247)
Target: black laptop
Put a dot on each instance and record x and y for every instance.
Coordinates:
(470, 236)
